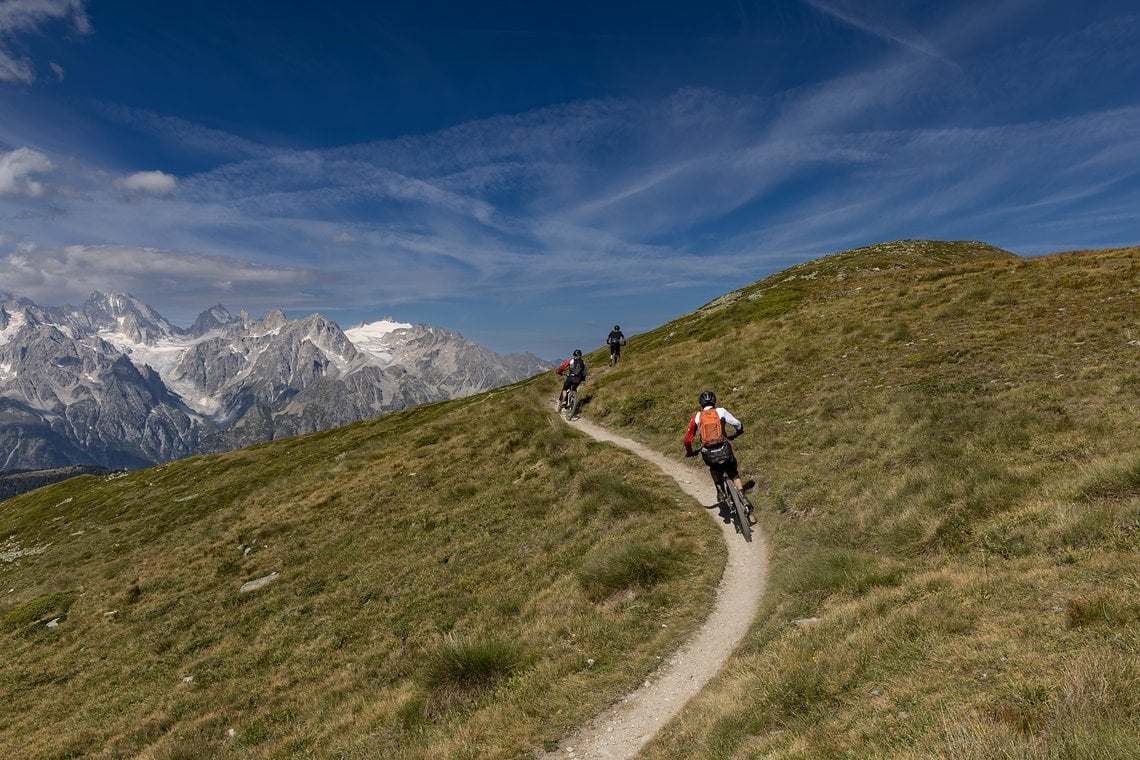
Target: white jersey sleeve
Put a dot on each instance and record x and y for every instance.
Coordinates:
(726, 416)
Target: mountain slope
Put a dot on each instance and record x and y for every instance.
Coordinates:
(480, 530)
(948, 468)
(948, 461)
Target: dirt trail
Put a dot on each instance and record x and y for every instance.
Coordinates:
(625, 727)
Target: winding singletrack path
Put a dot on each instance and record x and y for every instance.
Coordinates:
(625, 727)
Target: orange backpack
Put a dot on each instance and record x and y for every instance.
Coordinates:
(711, 428)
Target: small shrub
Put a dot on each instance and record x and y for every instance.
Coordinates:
(1115, 481)
(1027, 708)
(462, 668)
(634, 407)
(900, 332)
(843, 570)
(940, 614)
(40, 608)
(604, 491)
(1101, 609)
(954, 532)
(637, 564)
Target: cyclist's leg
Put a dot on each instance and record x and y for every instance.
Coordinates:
(717, 474)
(732, 470)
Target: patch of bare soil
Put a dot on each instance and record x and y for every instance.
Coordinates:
(625, 727)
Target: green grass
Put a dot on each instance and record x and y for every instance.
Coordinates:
(427, 592)
(944, 440)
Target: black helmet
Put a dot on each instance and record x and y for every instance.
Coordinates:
(577, 353)
(707, 398)
(617, 327)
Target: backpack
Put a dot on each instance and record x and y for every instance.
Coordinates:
(577, 368)
(711, 428)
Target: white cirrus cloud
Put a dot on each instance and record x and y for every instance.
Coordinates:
(155, 183)
(28, 16)
(177, 279)
(16, 170)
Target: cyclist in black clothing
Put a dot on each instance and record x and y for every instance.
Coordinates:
(575, 369)
(616, 339)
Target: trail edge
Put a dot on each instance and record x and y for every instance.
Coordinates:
(625, 727)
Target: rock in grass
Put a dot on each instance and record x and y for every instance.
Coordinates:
(254, 585)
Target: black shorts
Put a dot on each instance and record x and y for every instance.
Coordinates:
(615, 349)
(572, 382)
(721, 461)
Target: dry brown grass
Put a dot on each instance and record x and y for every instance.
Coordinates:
(947, 454)
(429, 601)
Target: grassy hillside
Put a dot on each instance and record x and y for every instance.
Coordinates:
(947, 453)
(947, 448)
(467, 579)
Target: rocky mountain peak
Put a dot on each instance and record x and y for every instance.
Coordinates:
(122, 313)
(112, 383)
(213, 318)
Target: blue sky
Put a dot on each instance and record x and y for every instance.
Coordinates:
(532, 173)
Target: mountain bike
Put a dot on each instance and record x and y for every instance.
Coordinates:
(728, 493)
(570, 409)
(615, 352)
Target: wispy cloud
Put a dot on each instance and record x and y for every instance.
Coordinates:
(886, 28)
(153, 183)
(494, 207)
(182, 279)
(17, 170)
(209, 144)
(19, 17)
(614, 196)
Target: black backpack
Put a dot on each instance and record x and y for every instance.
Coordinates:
(577, 368)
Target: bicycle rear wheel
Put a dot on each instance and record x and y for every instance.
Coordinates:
(739, 511)
(571, 404)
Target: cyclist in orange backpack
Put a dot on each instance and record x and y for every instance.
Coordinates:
(709, 424)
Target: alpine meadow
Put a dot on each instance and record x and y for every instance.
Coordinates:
(945, 443)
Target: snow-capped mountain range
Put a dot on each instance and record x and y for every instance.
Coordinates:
(113, 383)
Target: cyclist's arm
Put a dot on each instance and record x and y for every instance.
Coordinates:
(690, 436)
(564, 366)
(727, 417)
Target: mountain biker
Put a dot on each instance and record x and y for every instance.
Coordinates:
(709, 424)
(616, 339)
(575, 369)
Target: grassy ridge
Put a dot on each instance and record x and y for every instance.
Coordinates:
(946, 444)
(464, 579)
(949, 465)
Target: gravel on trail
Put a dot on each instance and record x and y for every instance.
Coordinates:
(621, 730)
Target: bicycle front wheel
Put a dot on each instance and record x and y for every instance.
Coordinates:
(739, 511)
(571, 404)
